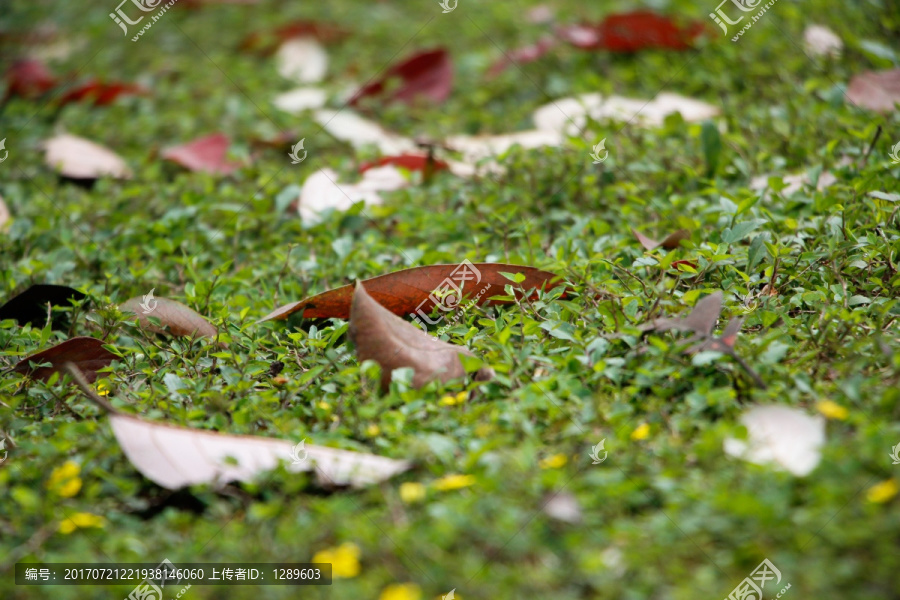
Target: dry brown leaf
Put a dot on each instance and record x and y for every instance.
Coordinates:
(670, 242)
(87, 353)
(380, 335)
(701, 321)
(79, 158)
(180, 319)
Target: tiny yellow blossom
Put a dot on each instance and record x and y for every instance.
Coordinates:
(373, 430)
(411, 492)
(882, 492)
(80, 521)
(484, 430)
(102, 389)
(832, 410)
(324, 405)
(454, 400)
(641, 433)
(64, 480)
(344, 560)
(454, 482)
(554, 462)
(401, 591)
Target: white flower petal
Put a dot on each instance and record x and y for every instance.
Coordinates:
(778, 434)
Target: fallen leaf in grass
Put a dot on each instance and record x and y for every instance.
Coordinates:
(87, 353)
(349, 127)
(206, 154)
(521, 56)
(821, 41)
(302, 59)
(404, 292)
(778, 434)
(28, 79)
(4, 215)
(181, 320)
(101, 94)
(266, 43)
(322, 191)
(410, 162)
(568, 116)
(300, 99)
(670, 242)
(477, 148)
(78, 158)
(701, 320)
(31, 305)
(794, 183)
(875, 90)
(427, 74)
(632, 31)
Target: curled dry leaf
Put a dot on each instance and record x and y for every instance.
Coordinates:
(207, 154)
(782, 435)
(302, 59)
(632, 31)
(404, 292)
(78, 158)
(180, 320)
(427, 74)
(876, 90)
(87, 353)
(671, 241)
(31, 306)
(393, 343)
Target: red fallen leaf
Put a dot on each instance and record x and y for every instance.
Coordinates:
(267, 42)
(408, 291)
(207, 154)
(875, 90)
(28, 79)
(523, 55)
(410, 162)
(693, 265)
(670, 242)
(428, 74)
(629, 32)
(101, 93)
(87, 353)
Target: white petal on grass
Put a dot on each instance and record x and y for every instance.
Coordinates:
(300, 99)
(175, 457)
(785, 436)
(79, 158)
(821, 41)
(794, 182)
(349, 127)
(322, 191)
(475, 148)
(302, 59)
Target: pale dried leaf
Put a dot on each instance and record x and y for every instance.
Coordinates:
(875, 90)
(79, 158)
(349, 127)
(302, 59)
(4, 214)
(300, 99)
(476, 148)
(181, 320)
(821, 41)
(782, 435)
(322, 191)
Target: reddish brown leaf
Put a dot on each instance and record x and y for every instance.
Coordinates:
(670, 242)
(689, 263)
(428, 74)
(28, 79)
(207, 154)
(520, 56)
(876, 90)
(393, 343)
(180, 319)
(267, 42)
(410, 162)
(87, 353)
(629, 32)
(101, 94)
(404, 292)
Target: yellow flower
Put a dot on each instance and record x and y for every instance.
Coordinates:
(102, 389)
(324, 405)
(412, 492)
(882, 492)
(454, 482)
(401, 591)
(80, 521)
(64, 480)
(832, 410)
(641, 433)
(373, 430)
(554, 462)
(344, 560)
(454, 400)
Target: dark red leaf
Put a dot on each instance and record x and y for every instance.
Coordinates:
(28, 79)
(428, 74)
(102, 94)
(87, 353)
(207, 154)
(410, 162)
(693, 265)
(629, 32)
(522, 55)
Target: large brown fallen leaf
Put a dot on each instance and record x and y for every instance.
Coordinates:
(207, 154)
(427, 74)
(175, 457)
(403, 292)
(380, 335)
(78, 158)
(180, 319)
(85, 352)
(875, 90)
